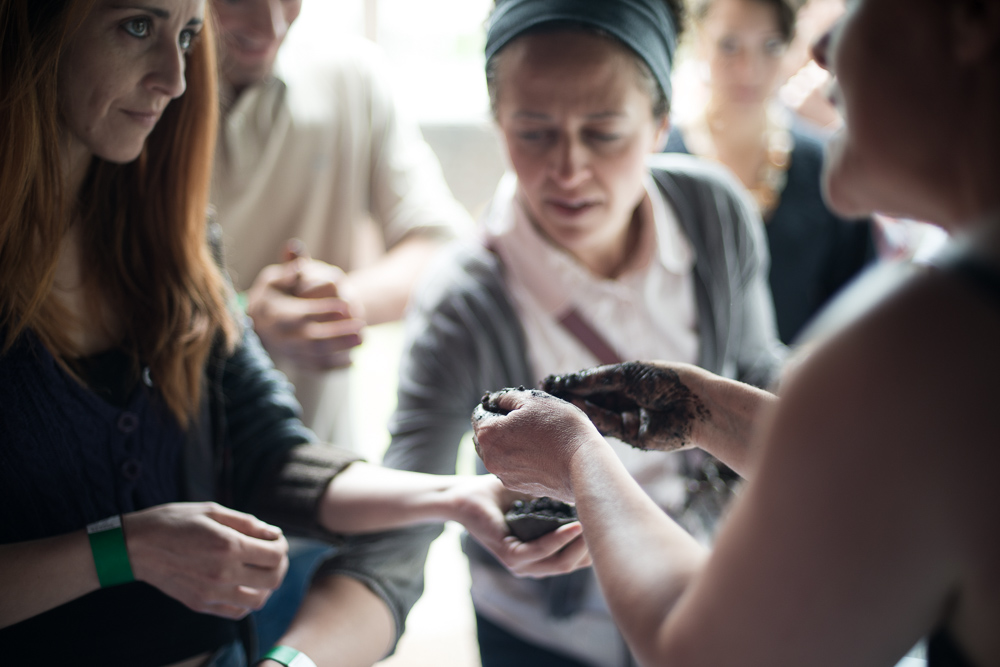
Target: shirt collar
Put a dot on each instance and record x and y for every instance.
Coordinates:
(549, 272)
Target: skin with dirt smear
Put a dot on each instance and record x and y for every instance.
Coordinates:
(642, 404)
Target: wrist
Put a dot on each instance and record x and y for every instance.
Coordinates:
(110, 553)
(589, 453)
(286, 656)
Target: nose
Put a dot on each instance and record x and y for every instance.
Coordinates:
(266, 20)
(749, 67)
(167, 76)
(570, 163)
(820, 50)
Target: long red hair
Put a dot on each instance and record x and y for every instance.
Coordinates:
(144, 235)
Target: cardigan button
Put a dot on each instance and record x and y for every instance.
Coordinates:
(131, 469)
(128, 422)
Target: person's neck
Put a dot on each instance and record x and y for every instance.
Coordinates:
(76, 159)
(610, 260)
(90, 327)
(736, 130)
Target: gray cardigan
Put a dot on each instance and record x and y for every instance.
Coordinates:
(462, 335)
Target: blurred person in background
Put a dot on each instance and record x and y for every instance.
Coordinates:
(308, 155)
(805, 82)
(741, 46)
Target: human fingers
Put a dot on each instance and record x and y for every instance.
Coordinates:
(558, 552)
(293, 249)
(325, 310)
(608, 422)
(319, 279)
(236, 603)
(247, 524)
(508, 427)
(322, 344)
(589, 381)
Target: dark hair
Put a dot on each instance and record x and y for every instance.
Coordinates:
(785, 9)
(661, 103)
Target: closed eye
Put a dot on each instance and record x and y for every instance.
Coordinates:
(603, 137)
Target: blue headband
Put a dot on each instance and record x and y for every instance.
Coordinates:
(645, 26)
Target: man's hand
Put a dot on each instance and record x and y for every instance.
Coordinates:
(213, 559)
(303, 310)
(480, 503)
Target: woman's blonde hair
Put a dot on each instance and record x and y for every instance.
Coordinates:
(144, 236)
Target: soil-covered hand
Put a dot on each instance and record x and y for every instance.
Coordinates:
(528, 439)
(649, 405)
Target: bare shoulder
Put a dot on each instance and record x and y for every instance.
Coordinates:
(926, 349)
(895, 418)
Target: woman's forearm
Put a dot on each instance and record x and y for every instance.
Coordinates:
(368, 498)
(643, 560)
(340, 622)
(736, 409)
(40, 575)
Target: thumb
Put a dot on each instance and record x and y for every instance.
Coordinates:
(294, 249)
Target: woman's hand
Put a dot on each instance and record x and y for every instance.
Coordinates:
(528, 439)
(480, 503)
(213, 559)
(669, 406)
(648, 405)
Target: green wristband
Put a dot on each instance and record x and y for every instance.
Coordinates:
(289, 657)
(107, 542)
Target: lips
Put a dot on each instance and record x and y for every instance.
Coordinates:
(571, 207)
(252, 52)
(146, 118)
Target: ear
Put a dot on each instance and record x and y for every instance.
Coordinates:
(975, 29)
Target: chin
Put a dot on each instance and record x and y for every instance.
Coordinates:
(122, 155)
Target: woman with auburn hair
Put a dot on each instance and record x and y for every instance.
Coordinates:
(132, 398)
(861, 528)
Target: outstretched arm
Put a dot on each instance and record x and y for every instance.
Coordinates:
(842, 549)
(367, 498)
(667, 406)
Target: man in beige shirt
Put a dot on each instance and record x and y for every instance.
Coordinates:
(316, 153)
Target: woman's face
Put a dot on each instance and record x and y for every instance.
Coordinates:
(121, 69)
(578, 126)
(893, 85)
(742, 43)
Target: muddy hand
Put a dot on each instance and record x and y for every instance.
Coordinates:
(648, 405)
(527, 439)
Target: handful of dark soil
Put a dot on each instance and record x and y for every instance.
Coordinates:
(530, 519)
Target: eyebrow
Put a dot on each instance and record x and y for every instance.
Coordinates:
(157, 12)
(601, 115)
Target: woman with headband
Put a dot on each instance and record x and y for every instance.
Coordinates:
(588, 255)
(866, 522)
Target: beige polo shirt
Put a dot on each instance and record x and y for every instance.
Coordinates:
(316, 152)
